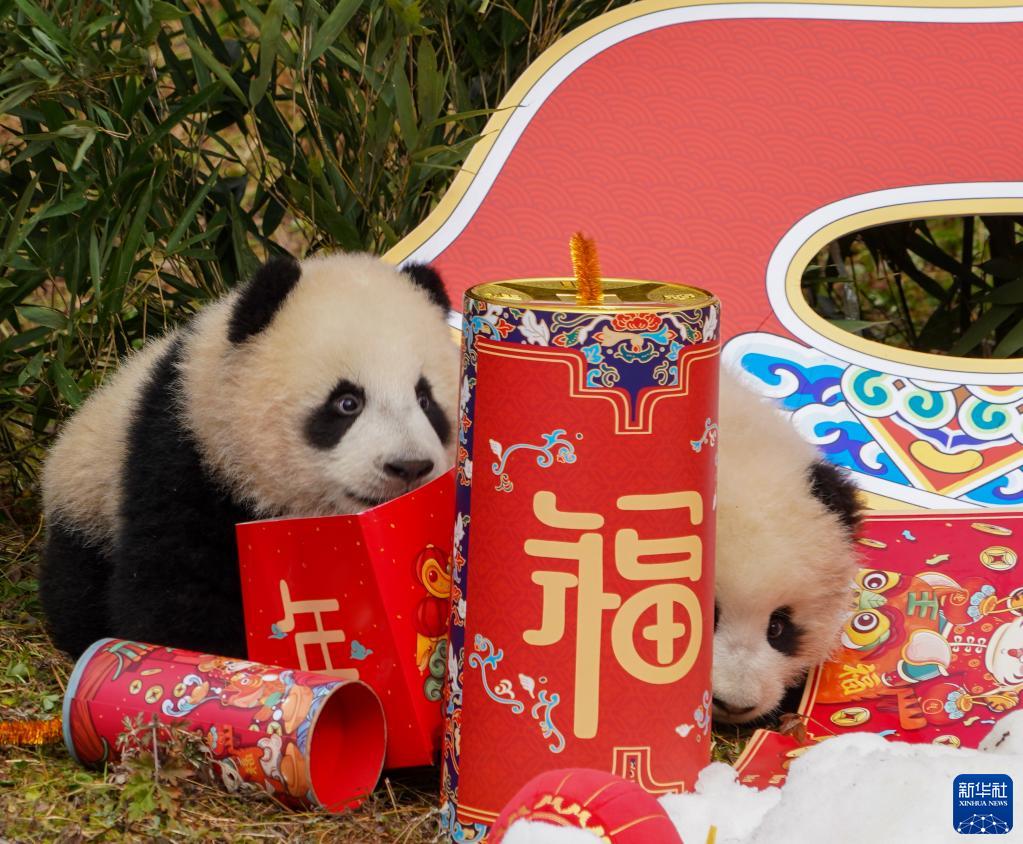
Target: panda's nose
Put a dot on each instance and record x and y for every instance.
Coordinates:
(408, 470)
(733, 710)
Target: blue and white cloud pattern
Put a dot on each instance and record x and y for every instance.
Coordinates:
(828, 398)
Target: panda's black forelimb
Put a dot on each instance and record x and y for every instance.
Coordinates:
(73, 577)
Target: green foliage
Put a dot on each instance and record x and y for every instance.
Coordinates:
(156, 762)
(153, 152)
(947, 285)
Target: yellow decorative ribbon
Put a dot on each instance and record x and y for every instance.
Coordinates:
(25, 733)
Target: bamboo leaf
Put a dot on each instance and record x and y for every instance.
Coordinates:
(65, 383)
(83, 148)
(25, 338)
(124, 262)
(17, 95)
(1011, 343)
(269, 44)
(430, 82)
(215, 67)
(37, 68)
(43, 21)
(331, 28)
(32, 369)
(245, 258)
(94, 265)
(14, 233)
(1007, 294)
(105, 22)
(162, 11)
(190, 213)
(272, 217)
(49, 44)
(980, 329)
(1008, 269)
(43, 316)
(66, 206)
(403, 107)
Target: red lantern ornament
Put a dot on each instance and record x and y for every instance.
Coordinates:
(432, 617)
(614, 810)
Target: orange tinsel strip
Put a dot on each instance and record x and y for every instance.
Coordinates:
(22, 733)
(587, 270)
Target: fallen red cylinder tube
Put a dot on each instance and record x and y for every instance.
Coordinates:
(311, 741)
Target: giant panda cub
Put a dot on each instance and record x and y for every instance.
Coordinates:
(786, 522)
(322, 387)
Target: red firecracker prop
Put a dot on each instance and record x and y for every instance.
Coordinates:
(313, 742)
(614, 810)
(360, 597)
(583, 578)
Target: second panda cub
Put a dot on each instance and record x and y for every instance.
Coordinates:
(786, 522)
(317, 388)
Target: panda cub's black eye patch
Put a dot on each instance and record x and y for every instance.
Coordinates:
(783, 634)
(328, 423)
(434, 412)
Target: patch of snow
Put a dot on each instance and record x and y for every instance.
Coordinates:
(859, 787)
(846, 790)
(718, 800)
(1006, 736)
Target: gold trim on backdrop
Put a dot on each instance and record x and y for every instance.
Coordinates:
(876, 502)
(876, 217)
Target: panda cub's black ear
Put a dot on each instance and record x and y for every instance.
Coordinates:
(427, 277)
(832, 486)
(262, 297)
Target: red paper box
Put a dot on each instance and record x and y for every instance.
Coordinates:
(311, 741)
(360, 597)
(582, 596)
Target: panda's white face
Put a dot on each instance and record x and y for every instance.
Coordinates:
(779, 606)
(345, 399)
(784, 561)
(378, 434)
(374, 447)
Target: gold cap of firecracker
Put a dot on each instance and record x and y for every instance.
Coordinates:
(619, 294)
(589, 291)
